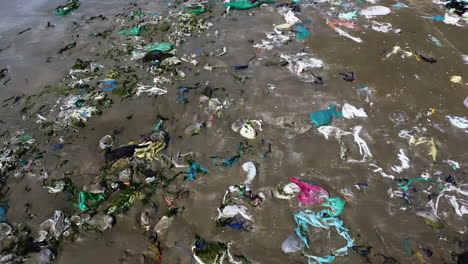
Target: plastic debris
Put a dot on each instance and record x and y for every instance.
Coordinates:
(336, 205)
(242, 149)
(405, 187)
(320, 220)
(71, 6)
(87, 200)
(291, 18)
(292, 244)
(325, 117)
(435, 40)
(132, 31)
(230, 211)
(150, 90)
(310, 194)
(303, 32)
(404, 162)
(246, 4)
(415, 141)
(287, 191)
(350, 111)
(458, 121)
(348, 16)
(106, 142)
(303, 65)
(164, 47)
(194, 168)
(246, 129)
(251, 170)
(374, 11)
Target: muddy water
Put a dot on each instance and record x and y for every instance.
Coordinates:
(403, 91)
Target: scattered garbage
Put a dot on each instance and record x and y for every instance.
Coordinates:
(378, 143)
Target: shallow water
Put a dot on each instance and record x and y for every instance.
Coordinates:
(403, 90)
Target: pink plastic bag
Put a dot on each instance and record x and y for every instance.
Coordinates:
(310, 194)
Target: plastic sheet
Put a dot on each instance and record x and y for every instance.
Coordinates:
(320, 220)
(310, 194)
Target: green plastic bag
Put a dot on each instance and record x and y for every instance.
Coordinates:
(88, 200)
(68, 8)
(325, 117)
(159, 47)
(246, 4)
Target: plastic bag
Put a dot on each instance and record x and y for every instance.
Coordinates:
(303, 32)
(325, 117)
(336, 205)
(310, 194)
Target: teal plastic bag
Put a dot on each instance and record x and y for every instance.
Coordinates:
(159, 47)
(302, 32)
(88, 200)
(246, 4)
(325, 117)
